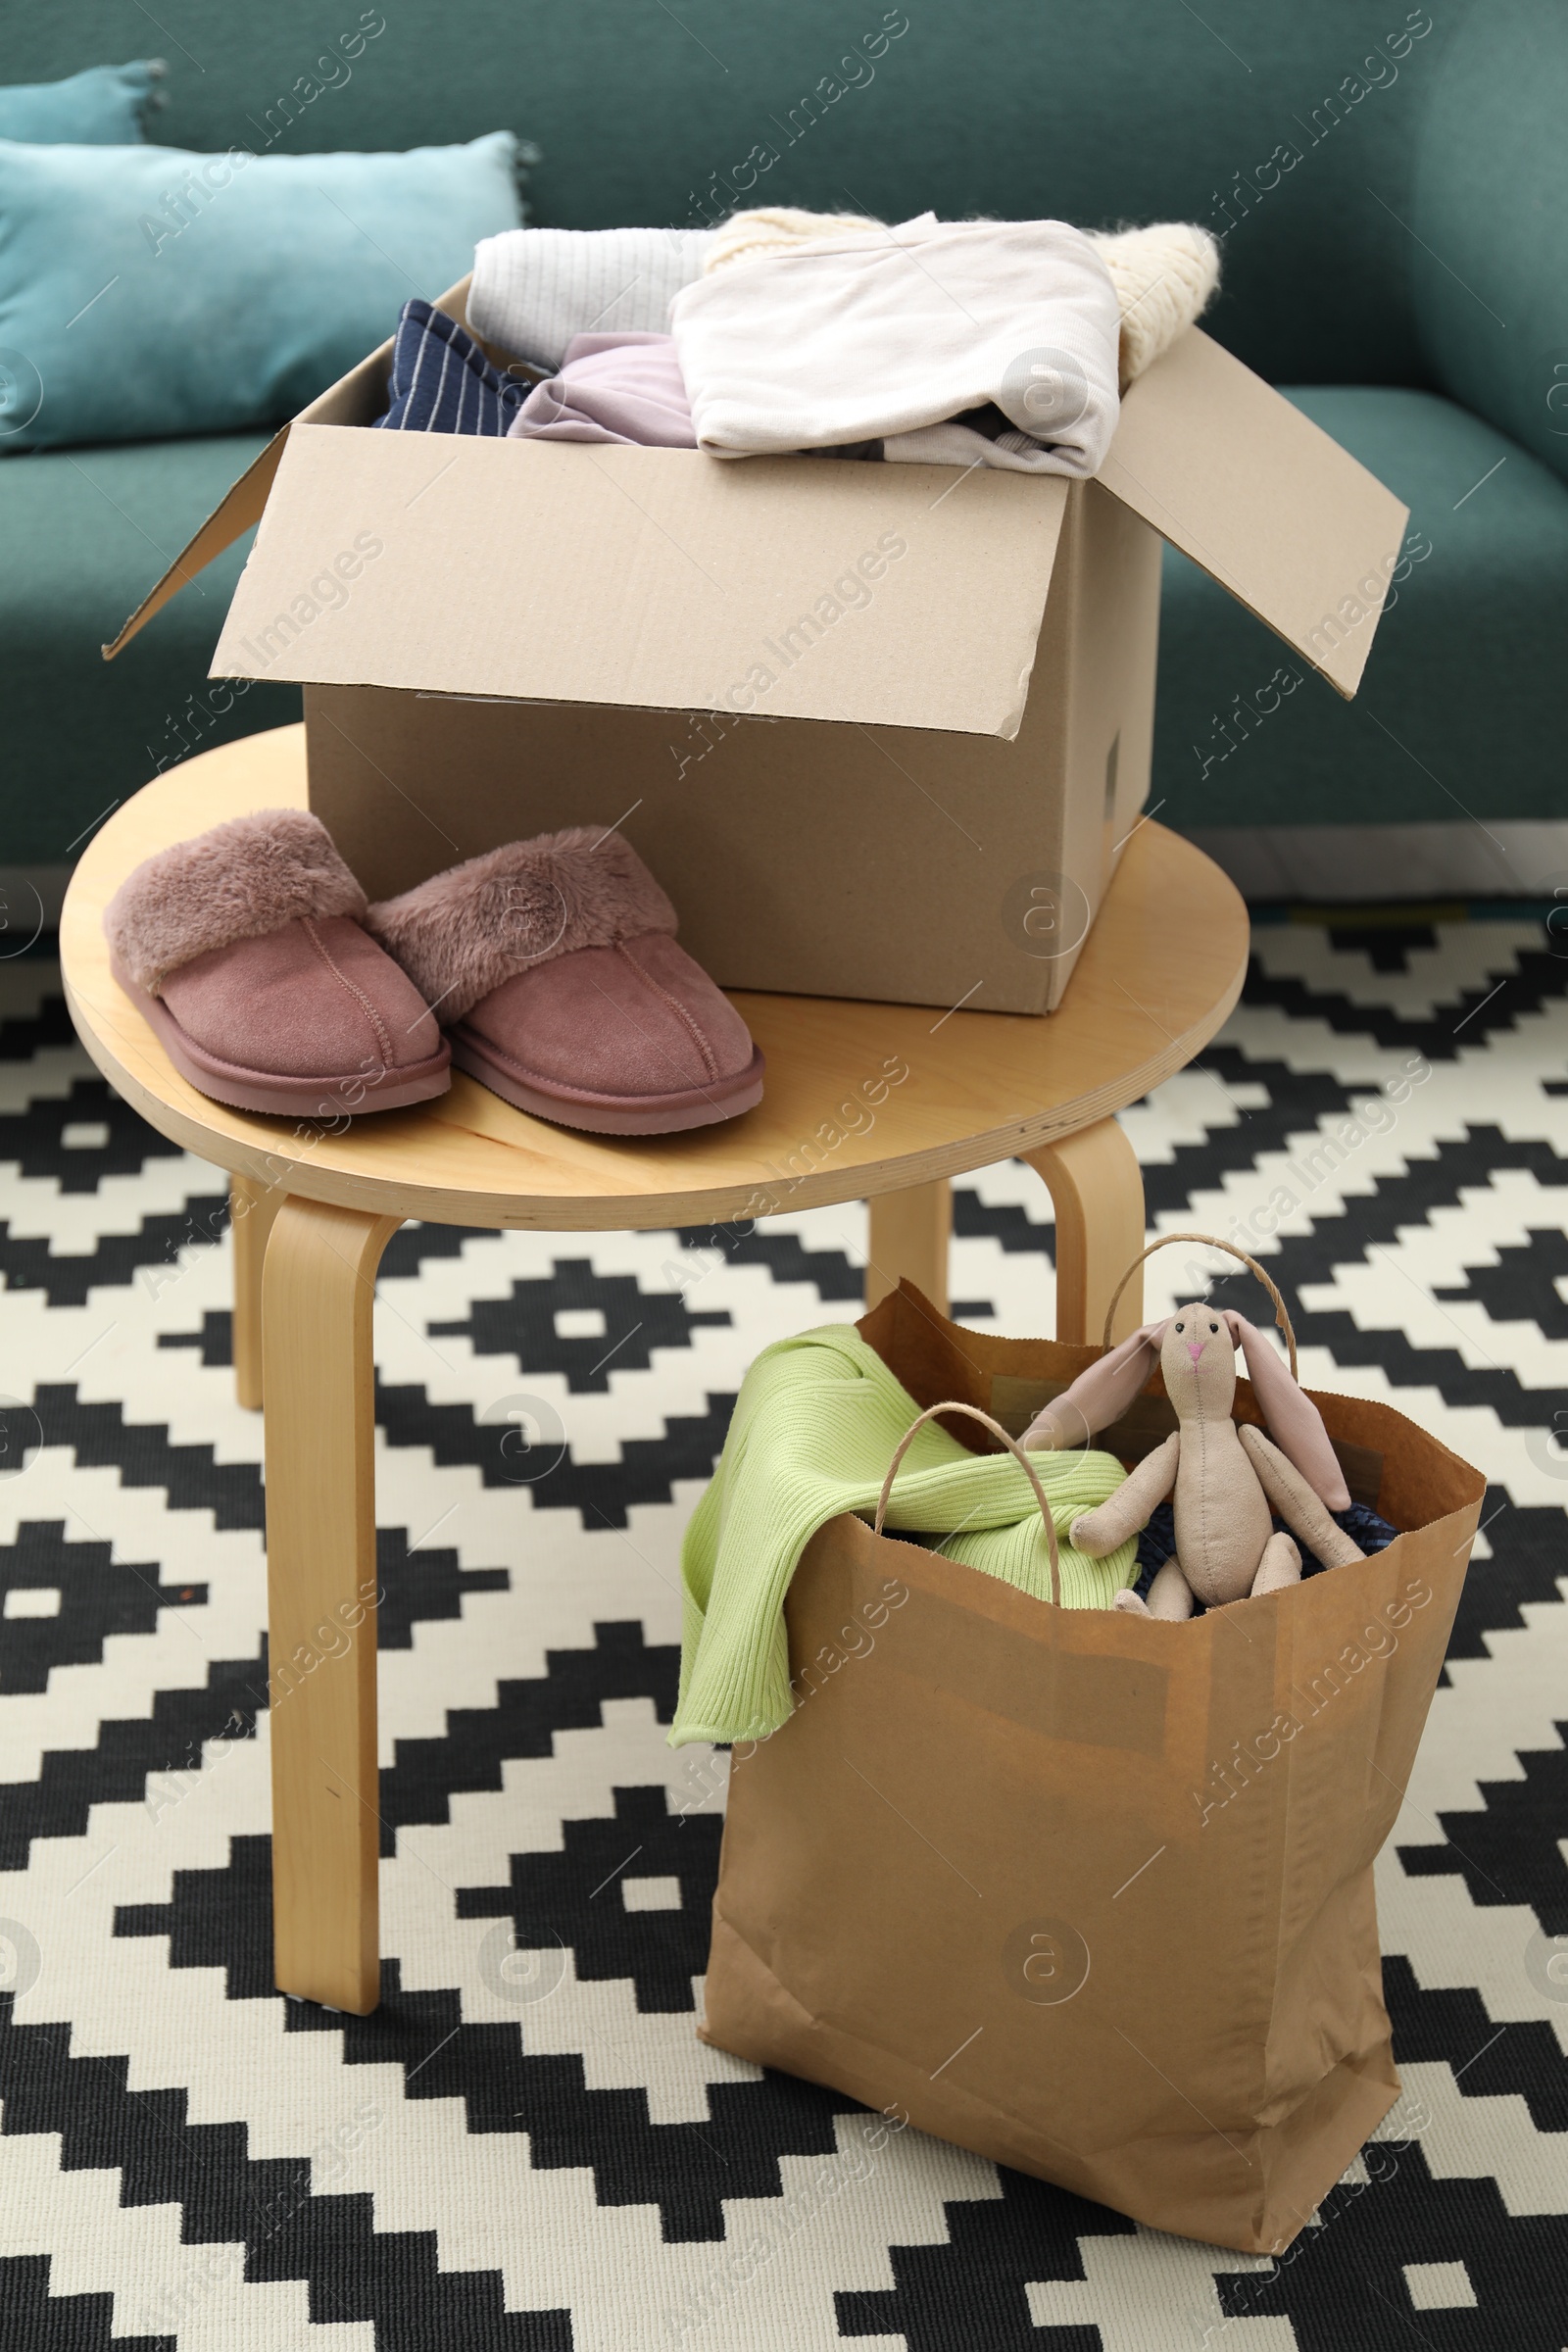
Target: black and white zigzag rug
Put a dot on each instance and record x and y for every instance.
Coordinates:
(548, 2157)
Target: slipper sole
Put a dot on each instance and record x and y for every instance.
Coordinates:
(607, 1114)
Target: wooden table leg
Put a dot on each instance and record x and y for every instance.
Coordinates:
(1097, 1188)
(909, 1235)
(252, 1206)
(318, 1290)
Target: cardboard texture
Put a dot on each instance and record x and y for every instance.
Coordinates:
(1090, 1894)
(879, 730)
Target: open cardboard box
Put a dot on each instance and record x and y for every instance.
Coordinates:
(879, 730)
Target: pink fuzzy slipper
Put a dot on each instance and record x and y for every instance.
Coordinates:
(554, 965)
(245, 950)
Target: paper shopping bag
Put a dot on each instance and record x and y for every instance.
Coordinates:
(1089, 1893)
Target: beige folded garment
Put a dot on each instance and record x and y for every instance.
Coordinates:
(1165, 275)
(873, 333)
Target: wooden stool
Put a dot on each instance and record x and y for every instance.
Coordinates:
(315, 1206)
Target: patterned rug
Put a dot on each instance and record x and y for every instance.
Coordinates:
(544, 2156)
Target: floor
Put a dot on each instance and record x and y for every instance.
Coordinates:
(547, 2157)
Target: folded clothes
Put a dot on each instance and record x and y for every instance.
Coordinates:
(617, 387)
(814, 1431)
(441, 381)
(878, 332)
(534, 289)
(1165, 276)
(942, 343)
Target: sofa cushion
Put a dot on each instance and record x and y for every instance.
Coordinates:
(86, 532)
(1464, 706)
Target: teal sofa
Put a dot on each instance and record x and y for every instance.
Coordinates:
(1391, 186)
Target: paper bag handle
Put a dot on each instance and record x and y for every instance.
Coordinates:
(1212, 1242)
(973, 1412)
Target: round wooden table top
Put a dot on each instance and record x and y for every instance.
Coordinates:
(860, 1097)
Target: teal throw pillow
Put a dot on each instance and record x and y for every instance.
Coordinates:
(147, 292)
(105, 107)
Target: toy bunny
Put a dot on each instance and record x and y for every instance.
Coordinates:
(1228, 1481)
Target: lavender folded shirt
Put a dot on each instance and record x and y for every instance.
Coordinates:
(625, 387)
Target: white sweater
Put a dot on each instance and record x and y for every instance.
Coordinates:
(534, 288)
(887, 332)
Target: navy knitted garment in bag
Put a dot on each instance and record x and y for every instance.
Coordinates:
(441, 381)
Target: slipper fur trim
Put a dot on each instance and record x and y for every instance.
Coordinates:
(467, 931)
(240, 881)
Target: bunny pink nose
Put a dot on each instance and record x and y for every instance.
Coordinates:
(1194, 1349)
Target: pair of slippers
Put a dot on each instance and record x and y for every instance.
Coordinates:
(549, 970)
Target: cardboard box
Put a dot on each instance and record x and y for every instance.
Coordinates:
(879, 730)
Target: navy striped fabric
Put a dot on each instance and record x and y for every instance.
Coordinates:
(441, 381)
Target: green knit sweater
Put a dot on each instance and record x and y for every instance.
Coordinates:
(815, 1423)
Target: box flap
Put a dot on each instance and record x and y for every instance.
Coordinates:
(568, 572)
(246, 503)
(236, 512)
(353, 400)
(1226, 470)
